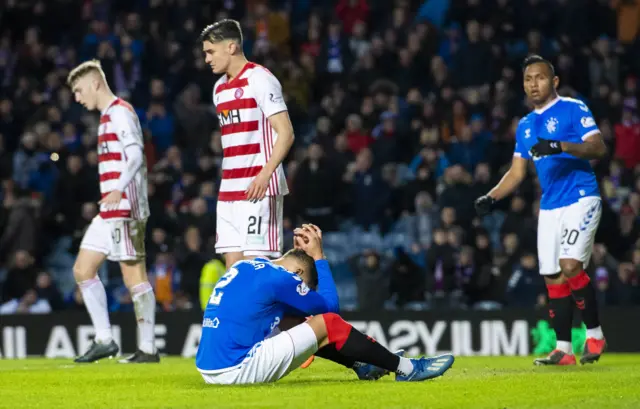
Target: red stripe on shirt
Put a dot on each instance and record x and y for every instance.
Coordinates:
(124, 195)
(104, 119)
(275, 174)
(265, 141)
(109, 176)
(239, 83)
(108, 137)
(134, 199)
(105, 157)
(125, 104)
(239, 173)
(249, 126)
(244, 103)
(249, 149)
(232, 196)
(111, 214)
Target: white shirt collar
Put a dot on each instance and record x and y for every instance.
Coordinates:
(549, 105)
(104, 111)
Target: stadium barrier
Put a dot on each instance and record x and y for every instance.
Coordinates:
(506, 332)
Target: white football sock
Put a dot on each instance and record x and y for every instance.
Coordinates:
(595, 333)
(564, 346)
(144, 303)
(405, 367)
(95, 299)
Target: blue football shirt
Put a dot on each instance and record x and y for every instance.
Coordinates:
(564, 178)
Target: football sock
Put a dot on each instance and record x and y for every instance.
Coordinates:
(584, 295)
(144, 302)
(561, 314)
(355, 345)
(595, 333)
(332, 354)
(564, 346)
(95, 299)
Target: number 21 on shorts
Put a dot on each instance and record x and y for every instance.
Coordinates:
(216, 295)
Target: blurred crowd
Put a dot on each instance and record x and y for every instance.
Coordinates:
(404, 112)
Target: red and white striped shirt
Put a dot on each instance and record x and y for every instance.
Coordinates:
(119, 128)
(244, 105)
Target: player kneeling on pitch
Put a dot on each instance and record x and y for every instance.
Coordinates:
(249, 301)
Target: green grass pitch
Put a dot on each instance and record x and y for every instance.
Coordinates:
(473, 382)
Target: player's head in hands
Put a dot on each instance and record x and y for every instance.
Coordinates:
(89, 85)
(222, 46)
(300, 263)
(540, 80)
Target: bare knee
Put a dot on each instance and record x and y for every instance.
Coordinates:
(87, 265)
(319, 325)
(82, 273)
(554, 279)
(134, 272)
(570, 267)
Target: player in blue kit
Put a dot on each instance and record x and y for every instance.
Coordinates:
(249, 302)
(560, 136)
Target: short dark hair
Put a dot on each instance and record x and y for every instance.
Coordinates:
(307, 262)
(535, 59)
(226, 29)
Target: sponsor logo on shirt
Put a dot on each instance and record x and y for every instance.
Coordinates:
(210, 323)
(587, 121)
(276, 99)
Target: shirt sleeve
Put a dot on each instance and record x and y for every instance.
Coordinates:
(520, 149)
(583, 122)
(128, 128)
(327, 287)
(293, 292)
(134, 159)
(268, 93)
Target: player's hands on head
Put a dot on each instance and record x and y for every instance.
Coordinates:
(257, 190)
(309, 239)
(546, 147)
(484, 204)
(112, 200)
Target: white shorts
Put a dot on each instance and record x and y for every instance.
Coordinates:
(119, 240)
(567, 233)
(271, 359)
(255, 229)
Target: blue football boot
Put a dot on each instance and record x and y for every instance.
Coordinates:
(427, 368)
(368, 372)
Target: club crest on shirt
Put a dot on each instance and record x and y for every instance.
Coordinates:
(239, 93)
(551, 124)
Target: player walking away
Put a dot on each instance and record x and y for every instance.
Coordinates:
(560, 135)
(246, 306)
(256, 137)
(117, 233)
